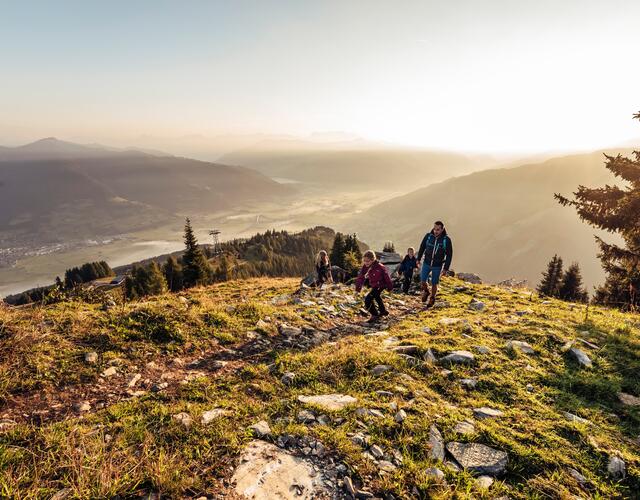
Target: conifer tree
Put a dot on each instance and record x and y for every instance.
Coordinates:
(615, 209)
(156, 283)
(336, 257)
(551, 278)
(389, 247)
(173, 274)
(195, 268)
(571, 288)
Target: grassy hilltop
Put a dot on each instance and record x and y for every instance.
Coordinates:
(98, 403)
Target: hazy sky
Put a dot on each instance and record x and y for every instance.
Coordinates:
(487, 75)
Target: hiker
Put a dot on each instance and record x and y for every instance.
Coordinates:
(406, 268)
(323, 269)
(378, 279)
(437, 249)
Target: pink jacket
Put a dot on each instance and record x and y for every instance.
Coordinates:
(377, 275)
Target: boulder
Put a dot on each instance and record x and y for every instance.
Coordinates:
(575, 418)
(458, 358)
(476, 305)
(518, 345)
(479, 458)
(582, 359)
(330, 402)
(486, 412)
(436, 442)
(469, 278)
(465, 428)
(266, 472)
(628, 399)
(616, 467)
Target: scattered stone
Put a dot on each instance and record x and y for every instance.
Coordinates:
(446, 373)
(451, 321)
(470, 278)
(434, 472)
(616, 467)
(288, 378)
(329, 402)
(426, 329)
(464, 428)
(133, 380)
(518, 345)
(579, 478)
(183, 418)
(587, 343)
(159, 387)
(530, 388)
(385, 394)
(458, 358)
(360, 439)
(479, 458)
(210, 415)
(485, 412)
(305, 417)
(524, 312)
(582, 359)
(460, 289)
(380, 369)
(436, 442)
(261, 429)
(476, 305)
(348, 485)
(400, 416)
(266, 472)
(469, 383)
(575, 418)
(386, 466)
(376, 451)
(91, 357)
(6, 424)
(482, 349)
(109, 372)
(628, 399)
(429, 357)
(290, 331)
(82, 407)
(262, 325)
(62, 494)
(366, 412)
(406, 349)
(484, 482)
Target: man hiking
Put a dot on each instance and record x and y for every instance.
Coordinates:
(437, 249)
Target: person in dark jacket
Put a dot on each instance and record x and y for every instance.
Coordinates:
(437, 249)
(378, 278)
(406, 268)
(323, 269)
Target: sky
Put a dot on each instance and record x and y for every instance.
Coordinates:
(476, 75)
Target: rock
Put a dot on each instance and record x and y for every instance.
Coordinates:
(61, 494)
(109, 372)
(305, 417)
(366, 412)
(405, 349)
(386, 466)
(426, 329)
(288, 378)
(434, 472)
(451, 321)
(524, 312)
(380, 369)
(517, 345)
(436, 442)
(6, 424)
(476, 305)
(458, 358)
(262, 325)
(575, 418)
(82, 407)
(261, 429)
(469, 383)
(290, 331)
(133, 380)
(469, 278)
(479, 458)
(485, 412)
(360, 439)
(183, 418)
(348, 485)
(482, 349)
(484, 482)
(587, 343)
(579, 478)
(376, 451)
(465, 428)
(385, 394)
(628, 399)
(529, 388)
(429, 357)
(159, 387)
(91, 357)
(210, 415)
(582, 359)
(400, 416)
(616, 467)
(329, 402)
(266, 472)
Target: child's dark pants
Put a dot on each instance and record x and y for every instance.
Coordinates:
(407, 282)
(373, 298)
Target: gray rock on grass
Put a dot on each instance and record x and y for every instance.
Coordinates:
(479, 458)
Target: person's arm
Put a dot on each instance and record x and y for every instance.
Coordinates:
(387, 279)
(449, 256)
(423, 247)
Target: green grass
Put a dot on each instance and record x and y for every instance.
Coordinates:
(135, 445)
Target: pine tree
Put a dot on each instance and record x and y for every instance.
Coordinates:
(173, 274)
(551, 278)
(336, 257)
(389, 247)
(195, 268)
(615, 209)
(571, 288)
(156, 283)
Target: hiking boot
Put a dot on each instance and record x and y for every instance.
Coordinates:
(384, 313)
(431, 302)
(425, 292)
(373, 319)
(363, 312)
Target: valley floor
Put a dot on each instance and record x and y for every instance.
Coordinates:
(185, 396)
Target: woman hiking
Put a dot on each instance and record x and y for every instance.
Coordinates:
(437, 249)
(378, 279)
(323, 269)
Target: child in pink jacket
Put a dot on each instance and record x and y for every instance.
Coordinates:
(378, 278)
